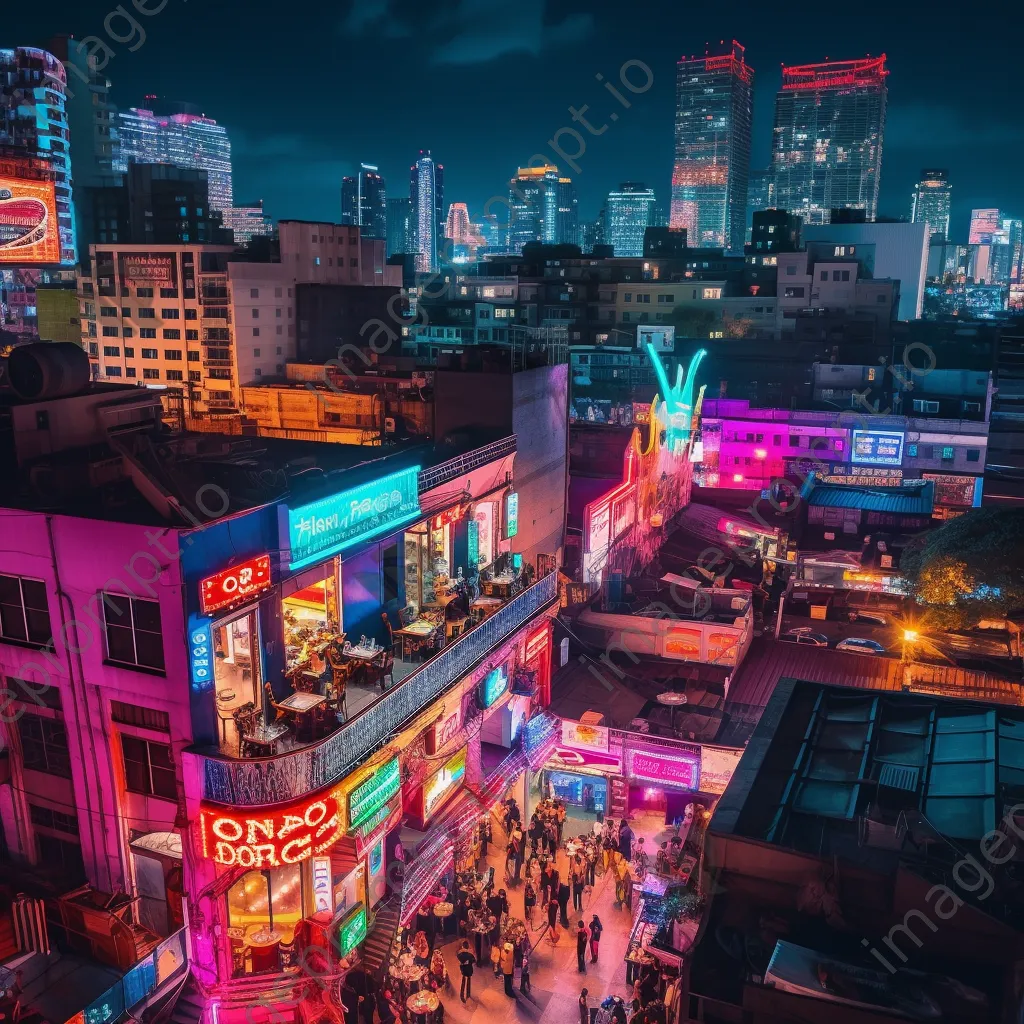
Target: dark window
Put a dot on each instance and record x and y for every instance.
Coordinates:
(129, 353)
(62, 858)
(174, 354)
(126, 311)
(973, 454)
(172, 334)
(846, 275)
(146, 314)
(133, 631)
(147, 332)
(191, 314)
(55, 820)
(169, 314)
(175, 375)
(109, 332)
(44, 745)
(25, 695)
(144, 293)
(108, 311)
(148, 768)
(824, 275)
(193, 357)
(129, 371)
(144, 718)
(150, 353)
(191, 335)
(23, 611)
(111, 350)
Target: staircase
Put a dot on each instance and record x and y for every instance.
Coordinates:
(188, 1007)
(377, 947)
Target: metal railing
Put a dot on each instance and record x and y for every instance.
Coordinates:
(435, 476)
(295, 773)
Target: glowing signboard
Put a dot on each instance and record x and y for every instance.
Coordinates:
(323, 897)
(270, 838)
(144, 269)
(877, 448)
(493, 686)
(352, 930)
(583, 736)
(28, 222)
(672, 770)
(235, 585)
(373, 793)
(443, 782)
(200, 652)
(512, 514)
(332, 524)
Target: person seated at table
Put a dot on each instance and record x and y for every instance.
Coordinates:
(663, 861)
(438, 971)
(421, 949)
(676, 853)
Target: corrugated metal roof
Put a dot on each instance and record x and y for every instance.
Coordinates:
(907, 500)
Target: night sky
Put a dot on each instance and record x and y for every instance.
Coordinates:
(309, 90)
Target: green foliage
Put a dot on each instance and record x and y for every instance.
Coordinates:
(693, 322)
(971, 568)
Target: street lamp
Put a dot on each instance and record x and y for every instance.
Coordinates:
(910, 637)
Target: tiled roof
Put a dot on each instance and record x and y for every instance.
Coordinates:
(907, 500)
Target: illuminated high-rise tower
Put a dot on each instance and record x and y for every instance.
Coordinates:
(426, 194)
(714, 96)
(628, 213)
(827, 144)
(364, 202)
(533, 200)
(184, 140)
(930, 204)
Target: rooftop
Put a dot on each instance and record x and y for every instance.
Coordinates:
(905, 500)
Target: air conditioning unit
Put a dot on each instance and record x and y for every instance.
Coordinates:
(389, 424)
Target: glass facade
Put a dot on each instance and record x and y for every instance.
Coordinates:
(533, 196)
(364, 202)
(712, 148)
(827, 144)
(629, 211)
(930, 204)
(426, 196)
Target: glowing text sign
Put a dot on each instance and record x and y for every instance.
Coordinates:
(270, 839)
(373, 793)
(352, 930)
(493, 686)
(512, 514)
(200, 640)
(234, 585)
(877, 448)
(439, 785)
(674, 770)
(332, 524)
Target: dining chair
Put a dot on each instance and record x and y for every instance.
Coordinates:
(280, 712)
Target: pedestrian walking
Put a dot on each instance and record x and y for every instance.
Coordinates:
(563, 903)
(560, 818)
(524, 975)
(582, 937)
(553, 920)
(579, 879)
(529, 902)
(508, 960)
(584, 1008)
(466, 963)
(595, 937)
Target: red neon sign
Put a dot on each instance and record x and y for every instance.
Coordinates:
(235, 584)
(269, 839)
(447, 517)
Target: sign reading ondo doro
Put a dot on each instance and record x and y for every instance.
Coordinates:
(332, 524)
(268, 839)
(371, 794)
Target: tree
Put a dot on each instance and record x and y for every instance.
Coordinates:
(693, 322)
(969, 569)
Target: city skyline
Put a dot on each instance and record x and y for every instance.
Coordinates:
(928, 125)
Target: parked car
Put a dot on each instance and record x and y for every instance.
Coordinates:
(875, 618)
(804, 635)
(858, 645)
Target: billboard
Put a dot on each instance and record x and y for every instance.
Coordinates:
(141, 269)
(28, 222)
(663, 339)
(877, 448)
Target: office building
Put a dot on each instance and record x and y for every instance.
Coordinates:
(827, 145)
(248, 222)
(984, 225)
(364, 202)
(930, 204)
(774, 231)
(534, 214)
(184, 140)
(712, 147)
(629, 211)
(567, 231)
(760, 195)
(462, 234)
(426, 196)
(34, 126)
(399, 226)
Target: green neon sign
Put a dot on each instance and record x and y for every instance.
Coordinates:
(352, 930)
(332, 524)
(369, 796)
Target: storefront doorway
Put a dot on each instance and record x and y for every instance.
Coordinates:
(236, 668)
(589, 793)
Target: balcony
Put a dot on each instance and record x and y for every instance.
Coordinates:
(373, 717)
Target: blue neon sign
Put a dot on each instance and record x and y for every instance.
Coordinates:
(877, 448)
(493, 686)
(512, 514)
(332, 524)
(200, 650)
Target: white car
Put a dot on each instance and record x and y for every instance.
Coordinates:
(858, 645)
(804, 635)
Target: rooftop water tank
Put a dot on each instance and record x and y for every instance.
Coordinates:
(48, 370)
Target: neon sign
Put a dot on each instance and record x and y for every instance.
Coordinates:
(444, 781)
(271, 838)
(648, 766)
(234, 585)
(678, 402)
(493, 686)
(332, 524)
(877, 447)
(323, 898)
(374, 792)
(200, 650)
(352, 930)
(512, 514)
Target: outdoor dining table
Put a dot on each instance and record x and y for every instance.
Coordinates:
(265, 947)
(419, 630)
(486, 605)
(262, 739)
(422, 1003)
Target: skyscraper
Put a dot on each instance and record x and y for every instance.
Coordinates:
(629, 211)
(827, 145)
(400, 227)
(426, 194)
(248, 222)
(760, 196)
(364, 202)
(184, 140)
(984, 225)
(33, 125)
(533, 196)
(464, 236)
(567, 230)
(930, 204)
(712, 147)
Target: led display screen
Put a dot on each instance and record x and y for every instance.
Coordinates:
(28, 222)
(877, 448)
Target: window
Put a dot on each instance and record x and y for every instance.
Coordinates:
(824, 275)
(128, 332)
(193, 357)
(129, 371)
(108, 311)
(191, 335)
(712, 293)
(144, 293)
(191, 314)
(254, 293)
(111, 350)
(168, 293)
(923, 405)
(169, 313)
(256, 352)
(972, 406)
(194, 375)
(150, 353)
(948, 453)
(790, 270)
(644, 298)
(846, 275)
(174, 375)
(835, 275)
(255, 314)
(24, 616)
(255, 332)
(277, 312)
(129, 353)
(278, 349)
(912, 450)
(628, 297)
(144, 718)
(112, 371)
(148, 768)
(257, 372)
(171, 334)
(44, 745)
(133, 631)
(353, 262)
(146, 314)
(795, 292)
(794, 440)
(279, 330)
(55, 820)
(147, 332)
(109, 332)
(174, 354)
(148, 374)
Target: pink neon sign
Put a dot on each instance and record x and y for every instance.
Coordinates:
(675, 769)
